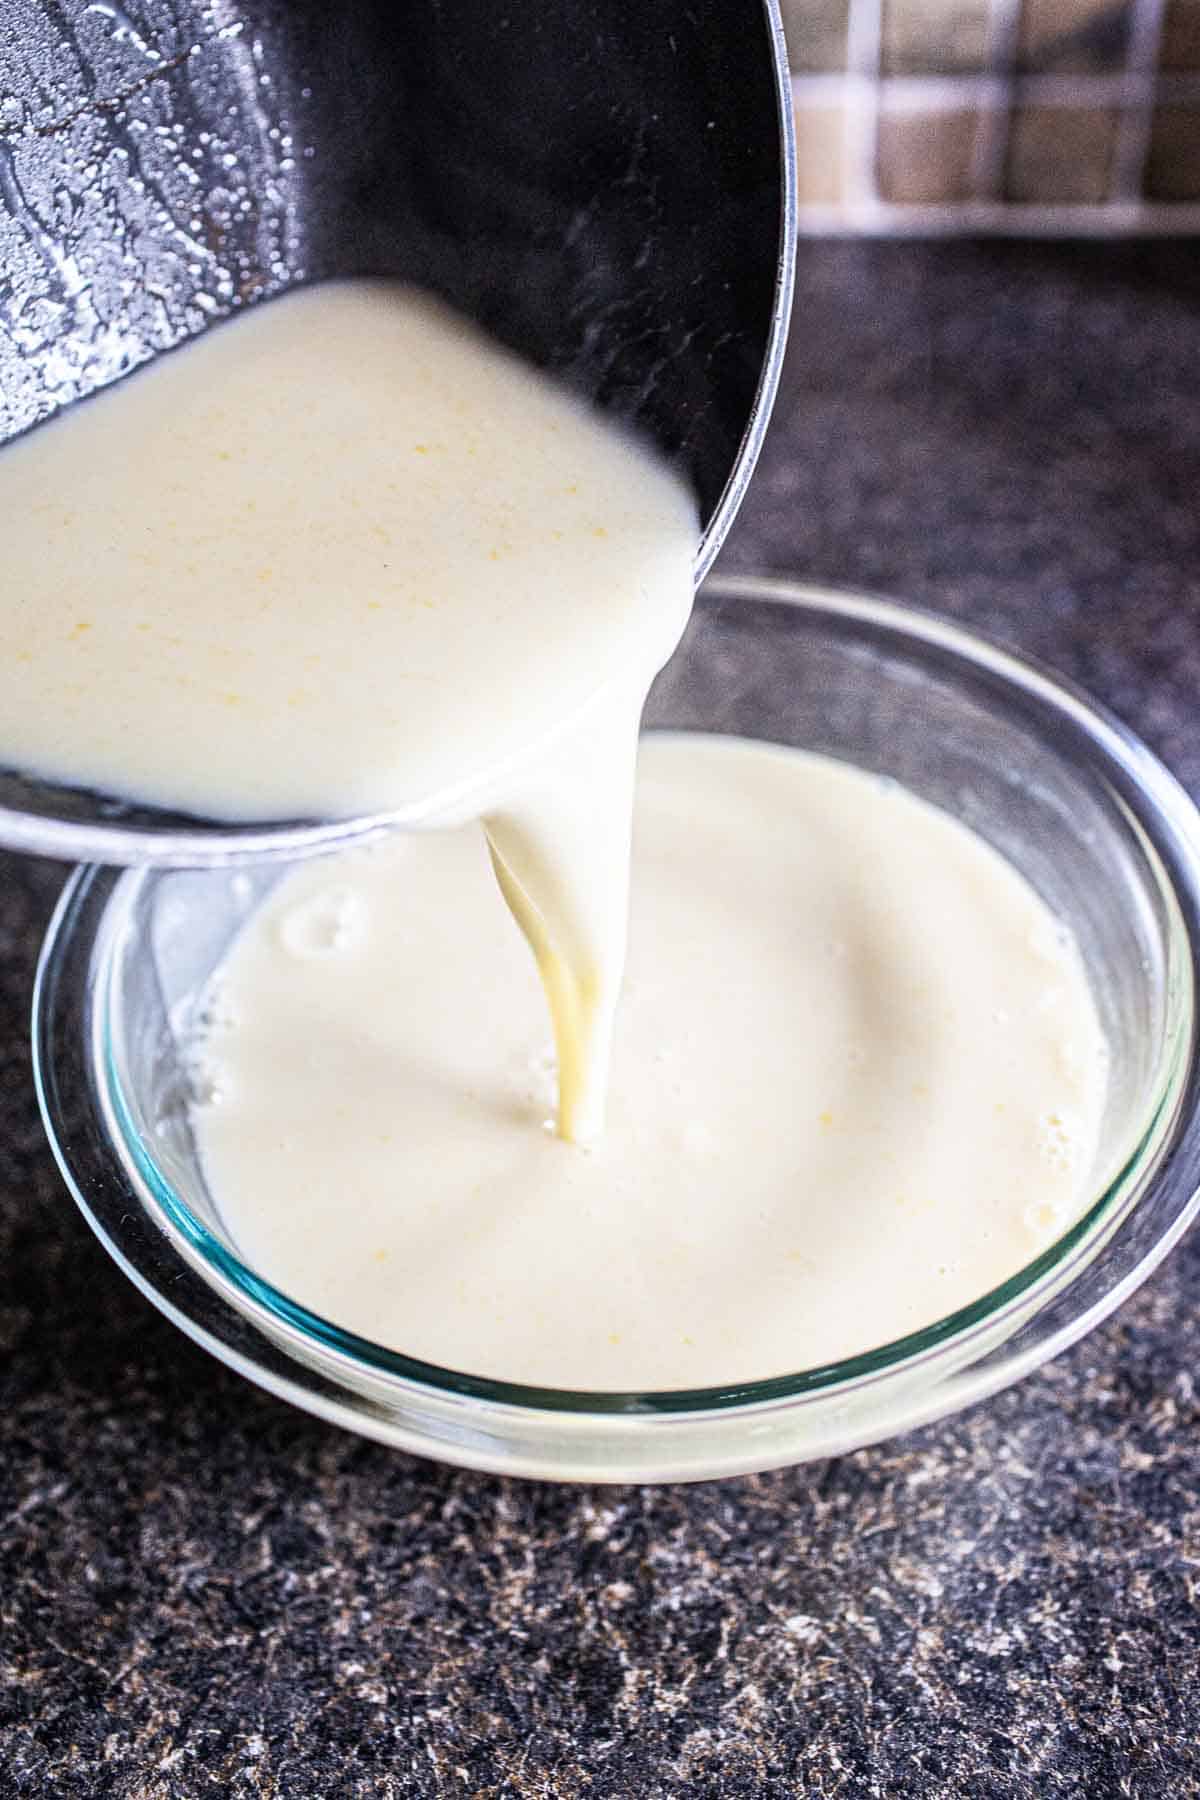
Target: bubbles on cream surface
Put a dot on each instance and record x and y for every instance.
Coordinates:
(857, 1081)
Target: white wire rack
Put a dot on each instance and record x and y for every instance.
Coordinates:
(864, 93)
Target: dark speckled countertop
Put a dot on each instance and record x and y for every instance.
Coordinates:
(202, 1591)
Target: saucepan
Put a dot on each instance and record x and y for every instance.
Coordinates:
(604, 186)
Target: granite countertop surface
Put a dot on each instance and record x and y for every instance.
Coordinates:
(203, 1591)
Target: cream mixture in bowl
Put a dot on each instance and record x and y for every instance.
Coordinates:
(857, 1081)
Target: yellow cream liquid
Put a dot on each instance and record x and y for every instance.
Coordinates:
(346, 557)
(856, 1082)
(343, 557)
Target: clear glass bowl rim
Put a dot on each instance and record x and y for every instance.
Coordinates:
(1164, 813)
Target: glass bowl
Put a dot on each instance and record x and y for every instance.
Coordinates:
(1074, 800)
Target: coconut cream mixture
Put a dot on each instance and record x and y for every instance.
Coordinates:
(347, 557)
